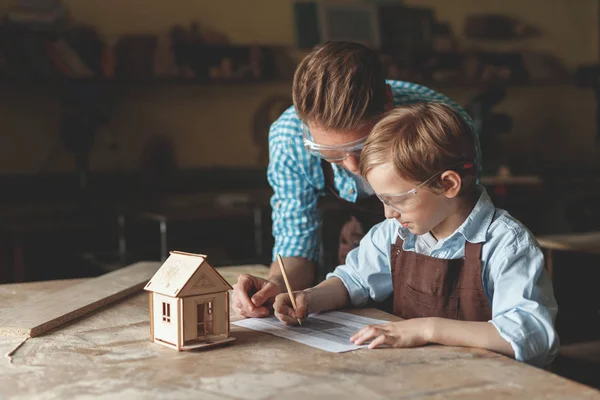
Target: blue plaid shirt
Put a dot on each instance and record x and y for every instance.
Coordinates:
(297, 177)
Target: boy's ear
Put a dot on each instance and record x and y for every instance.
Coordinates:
(389, 98)
(452, 183)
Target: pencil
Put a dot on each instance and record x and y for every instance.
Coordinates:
(287, 285)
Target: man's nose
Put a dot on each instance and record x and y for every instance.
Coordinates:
(390, 212)
(351, 163)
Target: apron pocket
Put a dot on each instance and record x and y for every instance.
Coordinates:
(416, 304)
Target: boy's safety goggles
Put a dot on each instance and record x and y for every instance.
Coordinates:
(331, 153)
(403, 202)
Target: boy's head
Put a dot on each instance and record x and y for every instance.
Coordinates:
(419, 159)
(339, 93)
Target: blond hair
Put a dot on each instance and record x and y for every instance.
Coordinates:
(422, 139)
(339, 85)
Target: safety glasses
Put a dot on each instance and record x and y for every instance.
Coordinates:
(403, 202)
(331, 153)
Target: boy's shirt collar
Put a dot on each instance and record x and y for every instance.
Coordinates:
(474, 228)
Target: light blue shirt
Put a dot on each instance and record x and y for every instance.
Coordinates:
(297, 177)
(514, 280)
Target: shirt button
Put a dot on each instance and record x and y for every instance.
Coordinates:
(351, 191)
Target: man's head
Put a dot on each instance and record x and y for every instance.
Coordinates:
(340, 92)
(419, 159)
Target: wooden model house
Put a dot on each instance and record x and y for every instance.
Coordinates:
(189, 303)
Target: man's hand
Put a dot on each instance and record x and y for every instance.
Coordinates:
(285, 312)
(253, 296)
(414, 332)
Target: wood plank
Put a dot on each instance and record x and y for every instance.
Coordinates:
(228, 314)
(179, 323)
(13, 295)
(46, 313)
(151, 313)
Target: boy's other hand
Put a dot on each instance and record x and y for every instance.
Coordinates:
(285, 312)
(409, 333)
(253, 296)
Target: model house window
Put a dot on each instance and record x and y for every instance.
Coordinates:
(166, 312)
(210, 307)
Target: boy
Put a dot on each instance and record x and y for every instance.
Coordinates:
(461, 272)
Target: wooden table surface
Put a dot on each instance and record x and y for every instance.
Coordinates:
(108, 355)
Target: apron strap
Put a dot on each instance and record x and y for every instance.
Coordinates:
(473, 250)
(399, 241)
(329, 177)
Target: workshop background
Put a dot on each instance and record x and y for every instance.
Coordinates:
(129, 128)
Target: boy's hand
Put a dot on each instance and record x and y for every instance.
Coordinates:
(285, 312)
(409, 333)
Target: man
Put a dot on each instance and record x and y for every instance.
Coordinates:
(339, 93)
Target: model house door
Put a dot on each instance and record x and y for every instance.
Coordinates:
(205, 318)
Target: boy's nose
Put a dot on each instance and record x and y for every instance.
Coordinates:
(390, 212)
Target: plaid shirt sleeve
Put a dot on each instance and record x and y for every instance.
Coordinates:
(293, 175)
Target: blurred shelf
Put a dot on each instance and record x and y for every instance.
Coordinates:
(58, 82)
(476, 85)
(20, 82)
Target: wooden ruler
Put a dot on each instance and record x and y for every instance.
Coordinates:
(41, 315)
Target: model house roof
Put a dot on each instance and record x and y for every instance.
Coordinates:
(186, 274)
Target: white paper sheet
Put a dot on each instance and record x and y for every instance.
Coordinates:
(329, 331)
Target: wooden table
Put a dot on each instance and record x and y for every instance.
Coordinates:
(588, 242)
(108, 355)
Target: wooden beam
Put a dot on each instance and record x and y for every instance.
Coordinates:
(48, 312)
(180, 340)
(151, 310)
(227, 308)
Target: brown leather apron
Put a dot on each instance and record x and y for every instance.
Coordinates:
(344, 223)
(426, 286)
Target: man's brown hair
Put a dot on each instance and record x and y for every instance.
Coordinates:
(339, 85)
(422, 139)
